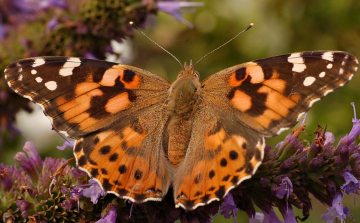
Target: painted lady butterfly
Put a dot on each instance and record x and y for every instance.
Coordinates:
(138, 134)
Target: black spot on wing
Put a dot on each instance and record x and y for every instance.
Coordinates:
(128, 76)
(94, 172)
(113, 157)
(122, 169)
(106, 185)
(105, 150)
(240, 73)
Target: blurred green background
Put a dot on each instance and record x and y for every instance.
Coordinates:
(280, 27)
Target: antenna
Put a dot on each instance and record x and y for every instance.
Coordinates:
(246, 29)
(135, 27)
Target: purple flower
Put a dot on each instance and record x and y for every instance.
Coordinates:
(228, 208)
(108, 215)
(31, 6)
(52, 24)
(23, 204)
(351, 184)
(284, 189)
(68, 204)
(89, 55)
(269, 217)
(76, 193)
(330, 138)
(336, 210)
(5, 180)
(174, 8)
(355, 131)
(94, 192)
(287, 212)
(27, 165)
(33, 155)
(67, 143)
(2, 32)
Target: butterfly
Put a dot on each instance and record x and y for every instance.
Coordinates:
(138, 134)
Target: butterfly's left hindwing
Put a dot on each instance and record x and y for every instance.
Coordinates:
(270, 95)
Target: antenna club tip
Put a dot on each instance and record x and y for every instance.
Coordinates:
(131, 22)
(251, 24)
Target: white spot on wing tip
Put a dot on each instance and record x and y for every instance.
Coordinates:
(309, 81)
(38, 62)
(322, 74)
(38, 79)
(51, 85)
(300, 115)
(69, 65)
(65, 134)
(341, 71)
(20, 77)
(329, 66)
(74, 59)
(297, 61)
(313, 101)
(43, 108)
(33, 72)
(351, 76)
(327, 92)
(281, 130)
(328, 56)
(27, 97)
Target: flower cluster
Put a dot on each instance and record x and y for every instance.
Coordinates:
(67, 28)
(49, 191)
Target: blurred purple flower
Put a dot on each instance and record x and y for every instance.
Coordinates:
(355, 131)
(52, 24)
(68, 204)
(2, 31)
(30, 165)
(336, 210)
(23, 204)
(5, 180)
(67, 143)
(174, 8)
(31, 6)
(94, 192)
(270, 217)
(351, 184)
(89, 55)
(228, 209)
(287, 212)
(330, 138)
(33, 155)
(108, 215)
(284, 189)
(76, 193)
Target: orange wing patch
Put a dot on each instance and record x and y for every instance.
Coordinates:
(254, 71)
(128, 77)
(117, 103)
(241, 101)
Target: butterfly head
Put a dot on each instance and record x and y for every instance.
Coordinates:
(188, 70)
